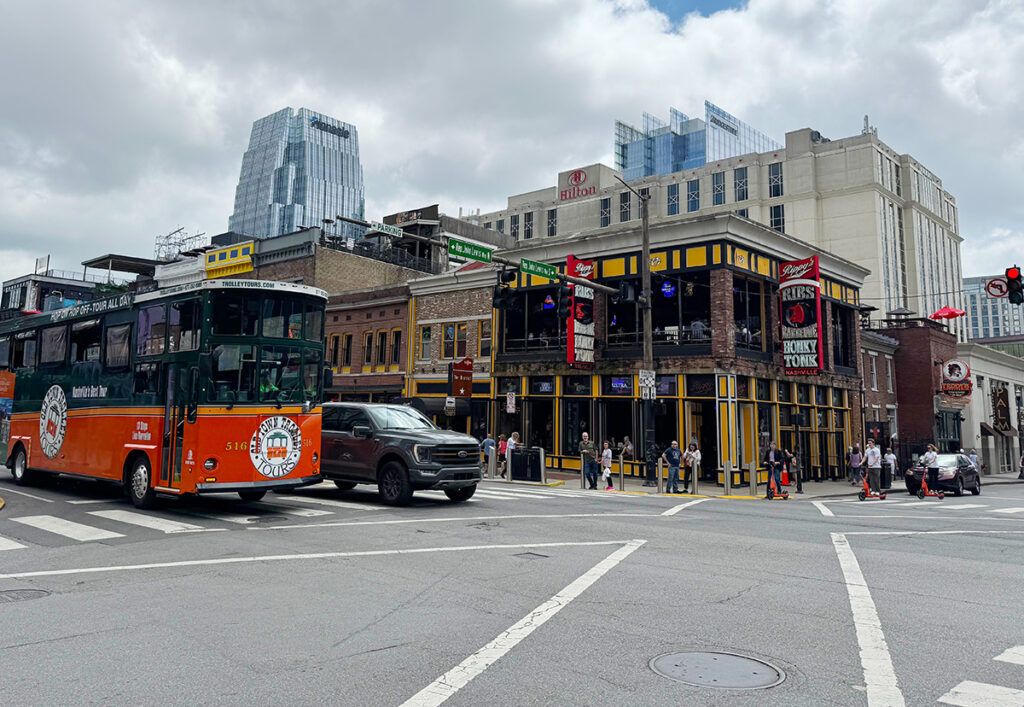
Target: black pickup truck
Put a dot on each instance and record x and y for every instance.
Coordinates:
(399, 450)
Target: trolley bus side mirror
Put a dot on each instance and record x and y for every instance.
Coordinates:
(193, 394)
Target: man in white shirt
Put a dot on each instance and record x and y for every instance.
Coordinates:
(873, 458)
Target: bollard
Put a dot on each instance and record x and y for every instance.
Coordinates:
(695, 478)
(660, 462)
(728, 477)
(583, 481)
(752, 478)
(492, 464)
(543, 467)
(621, 480)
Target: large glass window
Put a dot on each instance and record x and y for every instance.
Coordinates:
(424, 343)
(233, 373)
(500, 225)
(85, 341)
(184, 325)
(606, 212)
(396, 347)
(775, 179)
(53, 345)
(484, 339)
(368, 349)
(740, 188)
(552, 221)
(680, 312)
(382, 348)
(842, 336)
(528, 225)
(748, 313)
(513, 221)
(454, 343)
(117, 346)
(693, 195)
(625, 206)
(280, 374)
(152, 330)
(718, 188)
(23, 352)
(532, 324)
(576, 420)
(673, 199)
(232, 314)
(777, 219)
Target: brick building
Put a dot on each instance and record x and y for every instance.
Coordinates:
(366, 343)
(878, 369)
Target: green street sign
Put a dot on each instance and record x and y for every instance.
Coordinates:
(532, 267)
(472, 251)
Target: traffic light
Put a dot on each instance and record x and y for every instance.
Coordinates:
(564, 303)
(504, 297)
(626, 293)
(507, 277)
(1014, 285)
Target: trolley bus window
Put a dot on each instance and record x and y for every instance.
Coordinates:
(85, 341)
(314, 324)
(183, 326)
(311, 376)
(280, 377)
(152, 330)
(147, 379)
(23, 352)
(282, 318)
(53, 345)
(234, 315)
(233, 374)
(117, 349)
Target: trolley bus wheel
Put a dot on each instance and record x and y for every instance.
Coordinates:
(19, 468)
(393, 485)
(139, 490)
(255, 495)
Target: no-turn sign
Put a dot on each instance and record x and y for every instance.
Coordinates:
(996, 287)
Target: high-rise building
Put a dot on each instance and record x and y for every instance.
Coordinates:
(989, 316)
(684, 143)
(300, 168)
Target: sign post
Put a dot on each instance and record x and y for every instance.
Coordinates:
(648, 387)
(510, 402)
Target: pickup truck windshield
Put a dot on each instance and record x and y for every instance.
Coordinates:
(399, 417)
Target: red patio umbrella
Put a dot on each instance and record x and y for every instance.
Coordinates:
(947, 313)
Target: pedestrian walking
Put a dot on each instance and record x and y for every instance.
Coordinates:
(510, 446)
(773, 464)
(588, 450)
(856, 461)
(793, 466)
(691, 465)
(488, 446)
(502, 450)
(673, 456)
(606, 465)
(873, 459)
(930, 461)
(973, 457)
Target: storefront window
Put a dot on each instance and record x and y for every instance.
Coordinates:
(700, 386)
(764, 389)
(543, 385)
(742, 387)
(576, 385)
(803, 394)
(748, 315)
(680, 311)
(508, 385)
(575, 421)
(665, 386)
(821, 395)
(532, 323)
(785, 392)
(617, 385)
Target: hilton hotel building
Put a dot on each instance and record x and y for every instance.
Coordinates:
(854, 197)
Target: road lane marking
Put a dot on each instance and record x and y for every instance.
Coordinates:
(978, 694)
(675, 509)
(887, 516)
(458, 677)
(933, 532)
(524, 516)
(305, 556)
(300, 512)
(236, 518)
(352, 505)
(67, 528)
(879, 675)
(962, 506)
(6, 544)
(1007, 510)
(95, 500)
(823, 508)
(22, 493)
(1013, 655)
(145, 521)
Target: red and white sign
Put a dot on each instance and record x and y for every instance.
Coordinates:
(997, 287)
(462, 378)
(579, 326)
(956, 378)
(576, 184)
(800, 294)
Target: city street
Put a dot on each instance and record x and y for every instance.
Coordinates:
(522, 595)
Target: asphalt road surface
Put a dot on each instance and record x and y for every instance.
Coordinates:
(521, 596)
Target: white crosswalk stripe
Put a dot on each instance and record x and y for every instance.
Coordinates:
(352, 505)
(1007, 510)
(1013, 655)
(7, 544)
(300, 512)
(236, 518)
(67, 528)
(979, 694)
(147, 521)
(962, 506)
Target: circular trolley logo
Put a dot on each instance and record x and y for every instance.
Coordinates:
(276, 446)
(53, 421)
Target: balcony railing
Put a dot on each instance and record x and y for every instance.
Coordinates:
(395, 256)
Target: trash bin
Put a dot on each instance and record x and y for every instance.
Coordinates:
(885, 478)
(526, 464)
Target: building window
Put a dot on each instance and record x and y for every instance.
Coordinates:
(396, 347)
(739, 184)
(606, 212)
(842, 336)
(625, 206)
(528, 225)
(775, 179)
(777, 220)
(487, 225)
(873, 364)
(552, 221)
(483, 339)
(745, 213)
(718, 188)
(368, 348)
(673, 199)
(424, 343)
(334, 351)
(347, 350)
(454, 343)
(500, 225)
(382, 348)
(748, 313)
(693, 195)
(888, 375)
(513, 222)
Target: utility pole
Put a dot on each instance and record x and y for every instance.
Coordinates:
(646, 301)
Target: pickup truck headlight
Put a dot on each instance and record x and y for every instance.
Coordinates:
(422, 453)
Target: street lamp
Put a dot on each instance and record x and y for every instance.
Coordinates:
(645, 299)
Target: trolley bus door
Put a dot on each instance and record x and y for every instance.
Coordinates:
(175, 419)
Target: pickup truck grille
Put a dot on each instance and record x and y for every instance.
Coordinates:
(449, 455)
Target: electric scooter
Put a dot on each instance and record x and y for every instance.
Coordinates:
(925, 491)
(868, 493)
(773, 490)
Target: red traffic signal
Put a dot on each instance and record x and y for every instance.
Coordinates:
(1013, 273)
(1014, 285)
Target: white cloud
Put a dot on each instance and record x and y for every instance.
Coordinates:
(122, 120)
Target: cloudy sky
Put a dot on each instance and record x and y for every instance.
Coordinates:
(123, 120)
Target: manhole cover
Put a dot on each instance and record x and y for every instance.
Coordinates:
(12, 595)
(723, 670)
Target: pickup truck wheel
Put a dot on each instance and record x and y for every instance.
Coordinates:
(345, 485)
(393, 485)
(461, 494)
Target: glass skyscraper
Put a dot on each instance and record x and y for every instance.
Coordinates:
(300, 168)
(684, 143)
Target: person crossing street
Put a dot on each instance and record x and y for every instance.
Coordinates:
(873, 459)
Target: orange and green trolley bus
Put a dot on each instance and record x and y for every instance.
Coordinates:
(209, 387)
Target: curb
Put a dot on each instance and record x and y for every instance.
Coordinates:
(550, 484)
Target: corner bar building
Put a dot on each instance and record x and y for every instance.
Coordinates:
(720, 381)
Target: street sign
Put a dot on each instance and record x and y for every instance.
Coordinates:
(647, 384)
(449, 406)
(532, 267)
(997, 287)
(472, 251)
(385, 228)
(510, 402)
(647, 393)
(462, 378)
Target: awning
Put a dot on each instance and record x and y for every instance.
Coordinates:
(1007, 433)
(988, 430)
(435, 406)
